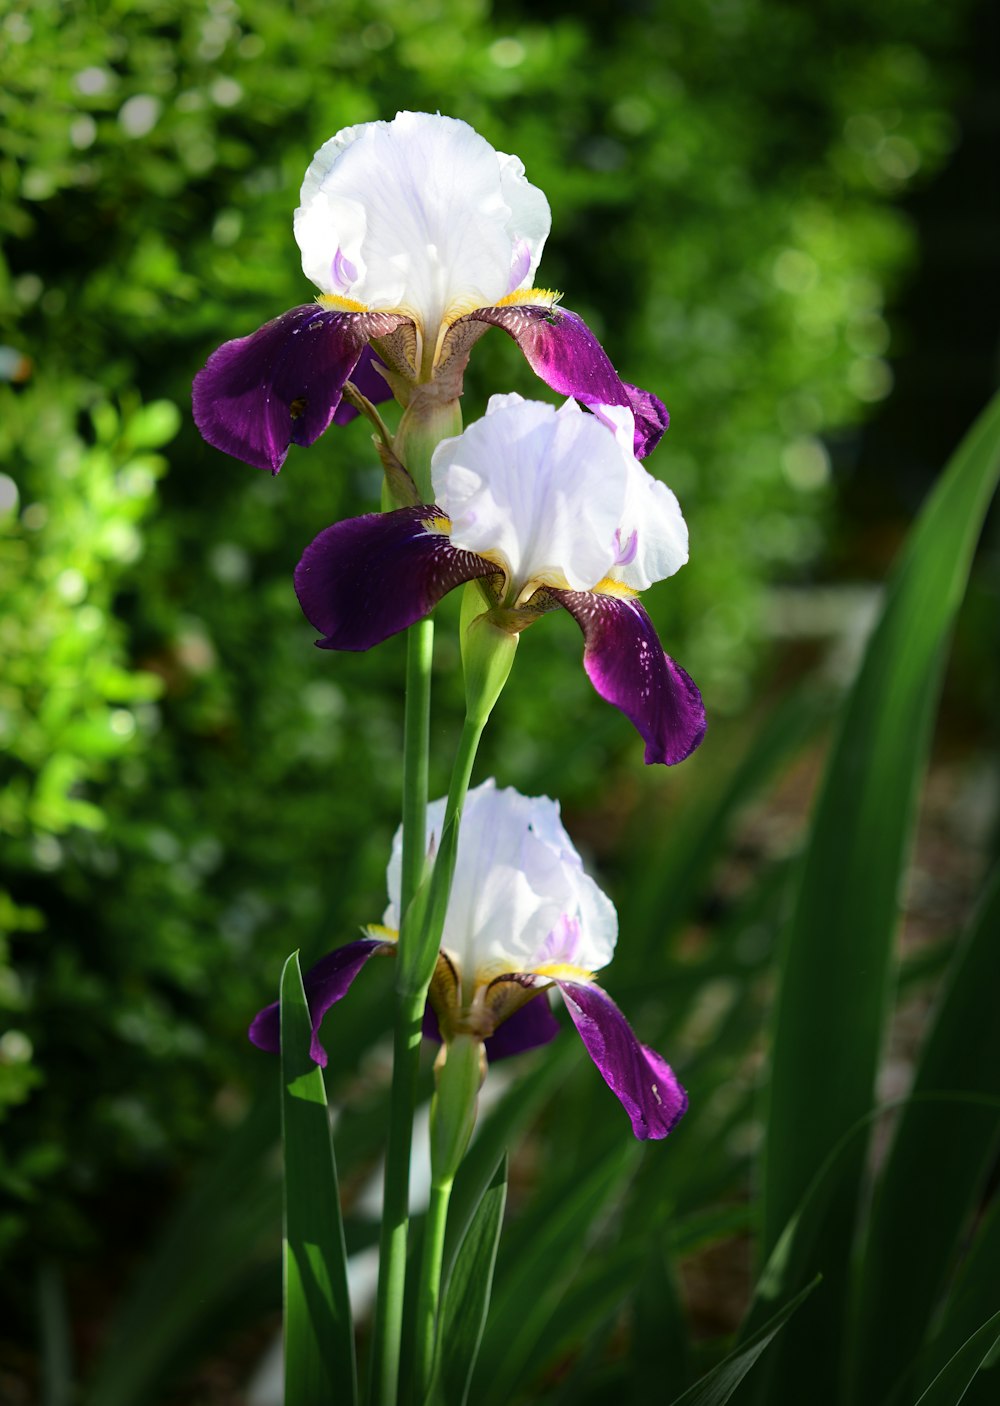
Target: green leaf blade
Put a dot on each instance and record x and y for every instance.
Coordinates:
(717, 1386)
(319, 1332)
(955, 1378)
(952, 1144)
(467, 1296)
(836, 964)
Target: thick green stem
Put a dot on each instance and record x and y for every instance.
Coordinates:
(416, 746)
(410, 998)
(388, 1324)
(429, 1292)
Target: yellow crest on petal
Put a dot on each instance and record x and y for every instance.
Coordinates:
(530, 297)
(339, 304)
(608, 587)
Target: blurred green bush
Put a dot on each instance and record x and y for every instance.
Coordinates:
(189, 791)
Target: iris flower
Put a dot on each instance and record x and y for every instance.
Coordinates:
(523, 917)
(545, 508)
(419, 236)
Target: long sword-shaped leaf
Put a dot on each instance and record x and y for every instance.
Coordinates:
(497, 1132)
(319, 1335)
(542, 1253)
(467, 1297)
(718, 1386)
(836, 963)
(955, 1378)
(940, 1157)
(974, 1296)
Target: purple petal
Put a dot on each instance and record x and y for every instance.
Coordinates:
(643, 1082)
(282, 384)
(325, 984)
(561, 349)
(626, 664)
(364, 579)
(531, 1025)
(369, 383)
(651, 419)
(430, 1029)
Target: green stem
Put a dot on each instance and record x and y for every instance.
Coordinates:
(416, 747)
(461, 772)
(388, 1325)
(429, 1292)
(387, 1335)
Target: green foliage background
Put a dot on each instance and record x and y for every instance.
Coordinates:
(189, 790)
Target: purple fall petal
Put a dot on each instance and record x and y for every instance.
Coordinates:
(651, 419)
(368, 381)
(643, 1082)
(325, 984)
(627, 666)
(561, 349)
(282, 384)
(530, 1026)
(364, 579)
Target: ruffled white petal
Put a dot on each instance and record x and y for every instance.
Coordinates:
(652, 534)
(521, 901)
(529, 222)
(539, 490)
(652, 528)
(432, 220)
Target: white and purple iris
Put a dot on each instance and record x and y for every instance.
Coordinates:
(420, 236)
(545, 508)
(523, 917)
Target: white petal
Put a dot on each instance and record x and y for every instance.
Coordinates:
(539, 490)
(530, 218)
(521, 899)
(431, 218)
(653, 535)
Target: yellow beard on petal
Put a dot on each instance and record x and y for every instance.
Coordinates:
(382, 933)
(563, 970)
(530, 297)
(339, 304)
(609, 587)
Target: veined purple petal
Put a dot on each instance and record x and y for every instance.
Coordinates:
(325, 984)
(282, 384)
(364, 579)
(641, 1080)
(561, 349)
(627, 666)
(530, 1026)
(651, 419)
(368, 381)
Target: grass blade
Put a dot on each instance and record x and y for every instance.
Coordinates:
(467, 1297)
(953, 1145)
(540, 1256)
(955, 1378)
(837, 959)
(974, 1296)
(496, 1133)
(717, 1386)
(319, 1334)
